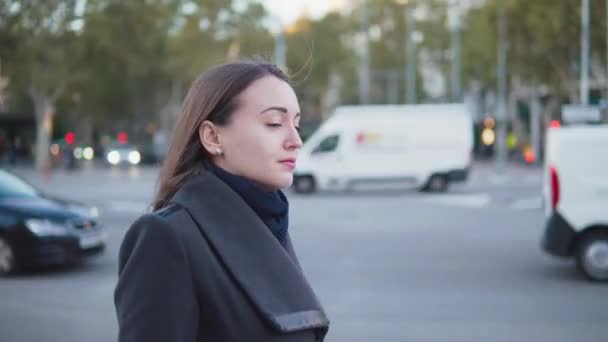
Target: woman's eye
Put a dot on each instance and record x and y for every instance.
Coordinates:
(273, 125)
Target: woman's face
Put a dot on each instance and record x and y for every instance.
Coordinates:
(261, 141)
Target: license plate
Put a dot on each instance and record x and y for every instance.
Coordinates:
(92, 240)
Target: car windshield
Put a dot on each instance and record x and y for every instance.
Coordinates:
(11, 186)
(121, 147)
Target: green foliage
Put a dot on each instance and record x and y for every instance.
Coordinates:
(120, 66)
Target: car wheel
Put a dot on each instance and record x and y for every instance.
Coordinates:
(7, 258)
(437, 183)
(304, 184)
(592, 256)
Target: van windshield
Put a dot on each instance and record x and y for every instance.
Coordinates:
(328, 144)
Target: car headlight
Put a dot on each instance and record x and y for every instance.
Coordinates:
(113, 157)
(94, 212)
(78, 153)
(88, 153)
(134, 157)
(42, 227)
(91, 212)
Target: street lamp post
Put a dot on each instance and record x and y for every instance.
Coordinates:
(585, 53)
(280, 45)
(410, 70)
(364, 62)
(280, 50)
(410, 51)
(501, 110)
(454, 24)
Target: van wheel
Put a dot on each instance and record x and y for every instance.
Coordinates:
(7, 258)
(304, 184)
(437, 183)
(592, 256)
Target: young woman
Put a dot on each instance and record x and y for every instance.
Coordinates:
(214, 261)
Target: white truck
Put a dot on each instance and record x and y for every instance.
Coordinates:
(417, 146)
(575, 193)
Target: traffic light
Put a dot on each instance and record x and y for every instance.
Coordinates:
(122, 137)
(70, 137)
(488, 136)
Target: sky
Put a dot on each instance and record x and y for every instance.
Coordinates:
(289, 10)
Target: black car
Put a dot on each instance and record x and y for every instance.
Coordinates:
(36, 229)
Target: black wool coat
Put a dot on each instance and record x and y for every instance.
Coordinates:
(206, 268)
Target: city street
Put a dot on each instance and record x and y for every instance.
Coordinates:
(388, 266)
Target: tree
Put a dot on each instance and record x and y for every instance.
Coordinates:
(36, 39)
(320, 60)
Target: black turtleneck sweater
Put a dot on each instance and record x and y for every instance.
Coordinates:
(271, 206)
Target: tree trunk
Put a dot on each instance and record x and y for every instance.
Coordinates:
(170, 111)
(331, 98)
(45, 110)
(535, 128)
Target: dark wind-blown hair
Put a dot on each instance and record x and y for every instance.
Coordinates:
(212, 96)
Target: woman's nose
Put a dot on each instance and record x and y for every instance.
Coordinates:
(293, 141)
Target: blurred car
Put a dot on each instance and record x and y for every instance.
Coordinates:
(426, 147)
(575, 192)
(36, 229)
(123, 154)
(148, 155)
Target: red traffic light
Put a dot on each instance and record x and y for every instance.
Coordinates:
(122, 137)
(70, 137)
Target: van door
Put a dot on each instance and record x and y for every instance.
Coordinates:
(327, 160)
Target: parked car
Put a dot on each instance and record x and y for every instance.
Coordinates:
(36, 229)
(576, 197)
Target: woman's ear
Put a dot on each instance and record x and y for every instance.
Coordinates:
(209, 137)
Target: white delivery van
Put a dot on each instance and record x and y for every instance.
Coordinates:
(418, 146)
(575, 193)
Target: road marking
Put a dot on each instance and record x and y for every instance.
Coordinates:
(136, 207)
(529, 203)
(479, 200)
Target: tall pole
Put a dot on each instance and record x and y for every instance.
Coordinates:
(501, 110)
(280, 49)
(410, 56)
(585, 54)
(456, 67)
(364, 68)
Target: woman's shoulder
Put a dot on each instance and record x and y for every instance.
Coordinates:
(162, 224)
(158, 219)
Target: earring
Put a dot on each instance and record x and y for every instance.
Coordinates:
(218, 151)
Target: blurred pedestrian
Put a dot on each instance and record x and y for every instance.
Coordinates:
(214, 261)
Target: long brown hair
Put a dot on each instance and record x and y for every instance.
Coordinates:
(212, 97)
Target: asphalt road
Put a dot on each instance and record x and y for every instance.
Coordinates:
(387, 265)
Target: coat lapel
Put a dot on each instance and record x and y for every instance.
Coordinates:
(268, 273)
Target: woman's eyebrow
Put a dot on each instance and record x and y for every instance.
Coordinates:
(280, 109)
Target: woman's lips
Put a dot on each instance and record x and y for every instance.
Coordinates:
(289, 163)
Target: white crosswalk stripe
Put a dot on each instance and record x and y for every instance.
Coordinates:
(477, 200)
(122, 206)
(482, 200)
(530, 203)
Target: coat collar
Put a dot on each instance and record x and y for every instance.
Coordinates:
(268, 273)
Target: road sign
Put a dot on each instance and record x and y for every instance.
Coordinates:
(580, 114)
